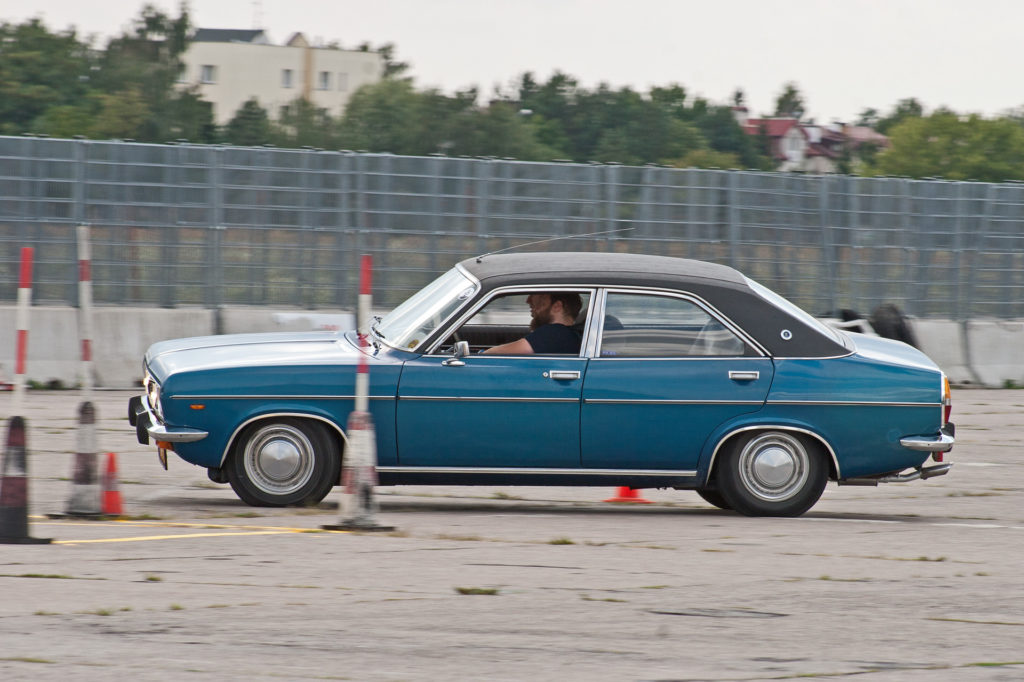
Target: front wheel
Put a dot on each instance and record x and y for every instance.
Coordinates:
(772, 473)
(284, 462)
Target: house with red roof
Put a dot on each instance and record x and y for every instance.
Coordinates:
(806, 147)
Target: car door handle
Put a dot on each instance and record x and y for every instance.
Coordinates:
(562, 375)
(737, 375)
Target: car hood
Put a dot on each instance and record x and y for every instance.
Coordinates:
(234, 351)
(890, 351)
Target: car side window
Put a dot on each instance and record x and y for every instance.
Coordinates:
(504, 318)
(648, 325)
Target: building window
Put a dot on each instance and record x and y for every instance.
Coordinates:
(343, 82)
(207, 73)
(324, 81)
(286, 78)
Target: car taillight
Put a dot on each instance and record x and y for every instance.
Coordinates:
(947, 400)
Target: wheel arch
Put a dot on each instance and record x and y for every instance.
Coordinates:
(773, 426)
(336, 430)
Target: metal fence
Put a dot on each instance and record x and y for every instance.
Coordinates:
(190, 225)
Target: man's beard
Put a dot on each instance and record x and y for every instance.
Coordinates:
(540, 318)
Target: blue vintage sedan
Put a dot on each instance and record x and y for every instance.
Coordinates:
(668, 373)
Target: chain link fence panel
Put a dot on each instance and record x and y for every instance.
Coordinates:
(209, 226)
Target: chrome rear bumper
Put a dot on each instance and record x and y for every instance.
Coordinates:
(941, 442)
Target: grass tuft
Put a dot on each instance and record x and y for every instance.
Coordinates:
(477, 590)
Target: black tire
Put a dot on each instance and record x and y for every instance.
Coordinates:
(713, 497)
(772, 473)
(889, 322)
(282, 462)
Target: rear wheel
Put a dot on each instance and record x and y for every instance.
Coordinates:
(284, 462)
(772, 473)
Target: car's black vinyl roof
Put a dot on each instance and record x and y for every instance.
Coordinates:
(776, 330)
(600, 268)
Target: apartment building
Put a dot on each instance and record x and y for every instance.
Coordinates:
(231, 66)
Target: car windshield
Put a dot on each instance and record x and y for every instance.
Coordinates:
(787, 306)
(408, 325)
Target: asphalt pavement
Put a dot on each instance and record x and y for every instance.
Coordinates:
(914, 581)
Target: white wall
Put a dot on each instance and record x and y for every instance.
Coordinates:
(246, 70)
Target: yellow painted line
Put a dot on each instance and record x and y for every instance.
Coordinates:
(183, 536)
(178, 524)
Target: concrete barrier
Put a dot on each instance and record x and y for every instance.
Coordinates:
(981, 352)
(122, 335)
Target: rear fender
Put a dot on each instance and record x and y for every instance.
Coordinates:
(727, 432)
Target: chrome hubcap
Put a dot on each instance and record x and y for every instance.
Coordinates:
(774, 466)
(279, 459)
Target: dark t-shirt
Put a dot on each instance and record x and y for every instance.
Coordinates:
(554, 338)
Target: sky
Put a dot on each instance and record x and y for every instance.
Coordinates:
(844, 55)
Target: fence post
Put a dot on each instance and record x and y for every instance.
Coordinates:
(214, 263)
(342, 228)
(828, 254)
(611, 202)
(958, 238)
(77, 210)
(733, 218)
(483, 194)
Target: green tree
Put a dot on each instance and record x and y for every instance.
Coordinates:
(40, 70)
(303, 124)
(250, 126)
(904, 109)
(790, 103)
(950, 146)
(392, 68)
(147, 60)
(381, 117)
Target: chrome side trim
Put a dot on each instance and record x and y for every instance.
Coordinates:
(492, 399)
(942, 442)
(849, 403)
(639, 401)
(537, 471)
(277, 397)
(773, 427)
(270, 415)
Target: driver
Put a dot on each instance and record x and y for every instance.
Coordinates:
(552, 316)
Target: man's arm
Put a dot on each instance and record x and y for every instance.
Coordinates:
(518, 347)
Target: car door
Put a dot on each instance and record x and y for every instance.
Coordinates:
(666, 371)
(519, 411)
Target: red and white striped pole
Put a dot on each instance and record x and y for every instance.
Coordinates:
(363, 309)
(21, 320)
(359, 466)
(85, 307)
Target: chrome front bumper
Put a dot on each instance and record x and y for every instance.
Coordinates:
(147, 426)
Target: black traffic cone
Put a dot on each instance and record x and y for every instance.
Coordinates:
(14, 489)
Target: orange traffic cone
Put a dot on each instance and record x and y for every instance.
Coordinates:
(628, 495)
(111, 492)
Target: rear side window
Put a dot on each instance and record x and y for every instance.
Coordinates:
(647, 325)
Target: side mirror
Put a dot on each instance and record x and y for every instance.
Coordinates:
(460, 350)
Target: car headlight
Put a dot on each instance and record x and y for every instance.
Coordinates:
(153, 396)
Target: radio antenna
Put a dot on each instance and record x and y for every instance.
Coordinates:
(551, 239)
